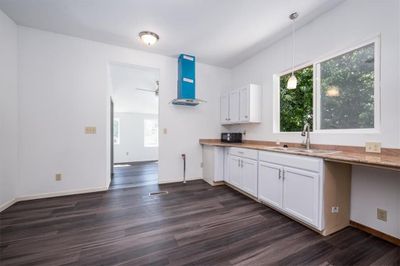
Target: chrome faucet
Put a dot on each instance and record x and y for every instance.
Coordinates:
(306, 133)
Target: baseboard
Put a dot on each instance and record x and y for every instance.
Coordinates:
(51, 195)
(168, 181)
(61, 193)
(7, 204)
(376, 233)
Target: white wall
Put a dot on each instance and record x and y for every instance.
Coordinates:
(65, 86)
(351, 22)
(131, 147)
(8, 110)
(372, 189)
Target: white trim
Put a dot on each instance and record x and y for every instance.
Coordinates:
(7, 204)
(61, 193)
(51, 195)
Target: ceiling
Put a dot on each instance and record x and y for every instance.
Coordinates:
(125, 82)
(218, 32)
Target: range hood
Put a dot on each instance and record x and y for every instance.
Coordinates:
(186, 81)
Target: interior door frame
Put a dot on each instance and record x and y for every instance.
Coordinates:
(111, 138)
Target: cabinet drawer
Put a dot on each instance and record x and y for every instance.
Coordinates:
(246, 153)
(296, 161)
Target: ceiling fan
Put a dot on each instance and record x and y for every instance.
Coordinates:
(155, 91)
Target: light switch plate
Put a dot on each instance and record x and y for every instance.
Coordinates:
(374, 147)
(90, 130)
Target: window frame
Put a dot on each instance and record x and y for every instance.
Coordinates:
(317, 91)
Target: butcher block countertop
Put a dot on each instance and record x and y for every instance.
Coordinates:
(388, 158)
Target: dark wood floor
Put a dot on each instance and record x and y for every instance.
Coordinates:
(135, 174)
(194, 224)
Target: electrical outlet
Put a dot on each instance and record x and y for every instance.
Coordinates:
(58, 177)
(201, 164)
(381, 214)
(374, 147)
(335, 209)
(90, 130)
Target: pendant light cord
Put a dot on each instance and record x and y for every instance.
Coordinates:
(293, 45)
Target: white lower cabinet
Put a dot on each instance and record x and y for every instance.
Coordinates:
(235, 171)
(270, 183)
(242, 172)
(249, 176)
(301, 194)
(294, 191)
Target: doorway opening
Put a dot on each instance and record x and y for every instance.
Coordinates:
(135, 131)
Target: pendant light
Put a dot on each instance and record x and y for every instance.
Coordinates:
(292, 82)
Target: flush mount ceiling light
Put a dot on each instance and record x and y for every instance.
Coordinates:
(292, 82)
(148, 37)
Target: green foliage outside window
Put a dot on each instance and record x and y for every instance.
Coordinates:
(296, 106)
(347, 90)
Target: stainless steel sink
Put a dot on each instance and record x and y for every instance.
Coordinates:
(316, 151)
(305, 151)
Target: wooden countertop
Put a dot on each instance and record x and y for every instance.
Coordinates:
(388, 158)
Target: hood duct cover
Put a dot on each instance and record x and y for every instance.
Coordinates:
(186, 81)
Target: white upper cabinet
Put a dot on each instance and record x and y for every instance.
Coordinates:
(242, 105)
(233, 106)
(224, 108)
(244, 111)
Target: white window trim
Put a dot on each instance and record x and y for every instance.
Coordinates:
(316, 91)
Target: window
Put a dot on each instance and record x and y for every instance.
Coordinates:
(346, 86)
(338, 93)
(116, 131)
(296, 106)
(151, 133)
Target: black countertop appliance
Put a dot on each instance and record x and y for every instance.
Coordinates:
(231, 137)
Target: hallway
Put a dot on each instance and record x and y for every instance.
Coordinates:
(134, 174)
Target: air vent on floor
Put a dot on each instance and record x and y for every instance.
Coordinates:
(158, 193)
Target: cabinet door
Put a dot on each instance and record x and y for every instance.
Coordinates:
(270, 183)
(244, 108)
(224, 112)
(301, 194)
(234, 106)
(249, 176)
(235, 172)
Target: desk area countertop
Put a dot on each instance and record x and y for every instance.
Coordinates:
(388, 158)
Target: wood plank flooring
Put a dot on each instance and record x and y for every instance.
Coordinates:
(134, 174)
(195, 224)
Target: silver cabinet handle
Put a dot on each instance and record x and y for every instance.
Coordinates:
(280, 172)
(283, 174)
